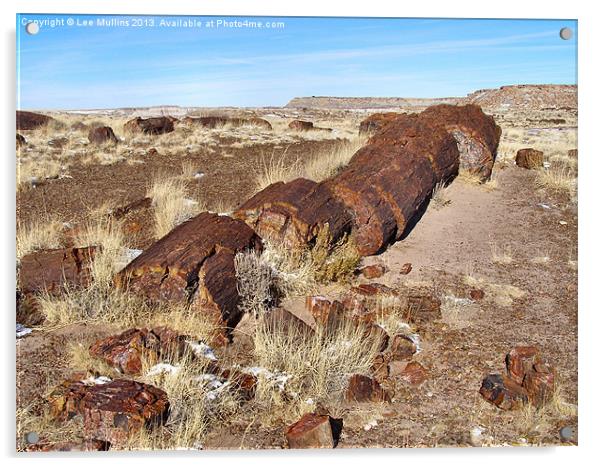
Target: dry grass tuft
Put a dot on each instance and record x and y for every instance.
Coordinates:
(314, 366)
(557, 178)
(256, 283)
(501, 255)
(439, 197)
(37, 236)
(171, 206)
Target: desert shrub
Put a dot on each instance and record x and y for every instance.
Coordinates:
(256, 283)
(312, 368)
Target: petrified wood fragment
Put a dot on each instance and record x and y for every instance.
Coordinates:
(194, 264)
(157, 125)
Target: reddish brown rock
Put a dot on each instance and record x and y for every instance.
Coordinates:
(158, 125)
(476, 294)
(300, 125)
(411, 372)
(152, 152)
(30, 120)
(529, 158)
(362, 388)
(503, 392)
(311, 431)
(405, 269)
(324, 310)
(20, 141)
(53, 270)
(102, 135)
(539, 383)
(402, 347)
(111, 411)
(476, 134)
(294, 213)
(126, 351)
(520, 361)
(376, 333)
(373, 271)
(376, 122)
(573, 153)
(194, 264)
(281, 321)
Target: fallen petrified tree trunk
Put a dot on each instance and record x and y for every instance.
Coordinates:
(294, 212)
(194, 264)
(389, 179)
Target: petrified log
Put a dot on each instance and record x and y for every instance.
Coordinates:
(362, 388)
(376, 122)
(52, 270)
(388, 180)
(476, 133)
(294, 213)
(194, 264)
(111, 411)
(102, 135)
(30, 120)
(158, 125)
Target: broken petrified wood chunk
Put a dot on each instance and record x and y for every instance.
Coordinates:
(295, 212)
(323, 309)
(102, 135)
(476, 134)
(362, 388)
(373, 271)
(503, 392)
(540, 384)
(281, 321)
(376, 122)
(194, 264)
(411, 372)
(126, 351)
(300, 125)
(520, 361)
(311, 431)
(402, 347)
(111, 411)
(31, 120)
(53, 270)
(157, 125)
(529, 158)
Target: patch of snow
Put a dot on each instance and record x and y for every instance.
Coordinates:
(202, 350)
(97, 380)
(544, 206)
(216, 385)
(163, 368)
(370, 425)
(130, 254)
(22, 330)
(562, 222)
(546, 165)
(458, 301)
(198, 175)
(190, 202)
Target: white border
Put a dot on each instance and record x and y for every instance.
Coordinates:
(590, 154)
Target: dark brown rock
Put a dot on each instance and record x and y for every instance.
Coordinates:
(52, 270)
(380, 367)
(158, 125)
(402, 347)
(30, 120)
(102, 135)
(194, 264)
(376, 122)
(362, 388)
(573, 153)
(503, 392)
(529, 158)
(476, 294)
(373, 271)
(294, 213)
(300, 125)
(20, 141)
(311, 431)
(111, 411)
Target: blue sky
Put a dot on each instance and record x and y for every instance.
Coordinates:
(71, 67)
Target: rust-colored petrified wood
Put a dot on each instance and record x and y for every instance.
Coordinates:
(31, 120)
(111, 411)
(476, 133)
(157, 125)
(293, 213)
(194, 264)
(52, 270)
(376, 122)
(389, 179)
